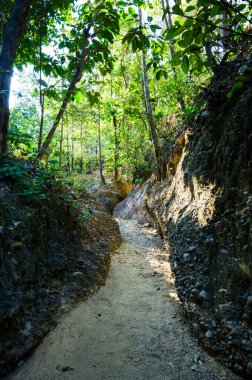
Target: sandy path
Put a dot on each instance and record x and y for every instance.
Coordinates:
(131, 329)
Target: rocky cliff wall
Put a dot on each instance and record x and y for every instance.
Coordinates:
(204, 210)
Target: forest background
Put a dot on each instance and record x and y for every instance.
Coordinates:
(111, 84)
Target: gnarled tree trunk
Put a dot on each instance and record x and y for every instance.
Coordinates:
(11, 41)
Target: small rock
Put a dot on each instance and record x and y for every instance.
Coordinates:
(43, 292)
(209, 334)
(205, 296)
(186, 256)
(204, 113)
(222, 290)
(19, 227)
(194, 295)
(198, 285)
(30, 295)
(77, 274)
(192, 248)
(238, 368)
(140, 348)
(224, 252)
(249, 368)
(67, 368)
(213, 323)
(196, 327)
(229, 310)
(206, 271)
(236, 332)
(208, 242)
(247, 316)
(27, 329)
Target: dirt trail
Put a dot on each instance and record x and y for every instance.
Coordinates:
(131, 329)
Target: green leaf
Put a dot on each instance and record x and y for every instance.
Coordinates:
(241, 7)
(203, 3)
(161, 73)
(188, 37)
(108, 35)
(177, 10)
(154, 28)
(215, 10)
(78, 97)
(235, 86)
(135, 44)
(185, 64)
(122, 3)
(42, 83)
(131, 11)
(173, 32)
(190, 8)
(199, 38)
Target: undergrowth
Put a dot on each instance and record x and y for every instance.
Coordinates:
(36, 185)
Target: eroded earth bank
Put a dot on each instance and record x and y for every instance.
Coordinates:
(203, 209)
(131, 329)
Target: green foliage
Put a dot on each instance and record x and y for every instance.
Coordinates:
(139, 180)
(32, 183)
(137, 39)
(202, 32)
(180, 60)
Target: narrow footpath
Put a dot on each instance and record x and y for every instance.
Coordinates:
(133, 328)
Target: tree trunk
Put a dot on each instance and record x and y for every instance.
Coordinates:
(61, 142)
(99, 144)
(72, 147)
(72, 85)
(116, 151)
(61, 132)
(41, 94)
(11, 41)
(81, 146)
(149, 113)
(67, 144)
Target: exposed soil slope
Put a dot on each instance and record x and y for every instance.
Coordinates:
(204, 210)
(131, 329)
(52, 254)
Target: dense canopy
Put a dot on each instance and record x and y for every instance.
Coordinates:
(110, 83)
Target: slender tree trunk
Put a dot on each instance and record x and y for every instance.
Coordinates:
(116, 151)
(72, 85)
(149, 113)
(81, 146)
(99, 144)
(61, 132)
(68, 146)
(41, 95)
(61, 142)
(72, 147)
(41, 125)
(11, 41)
